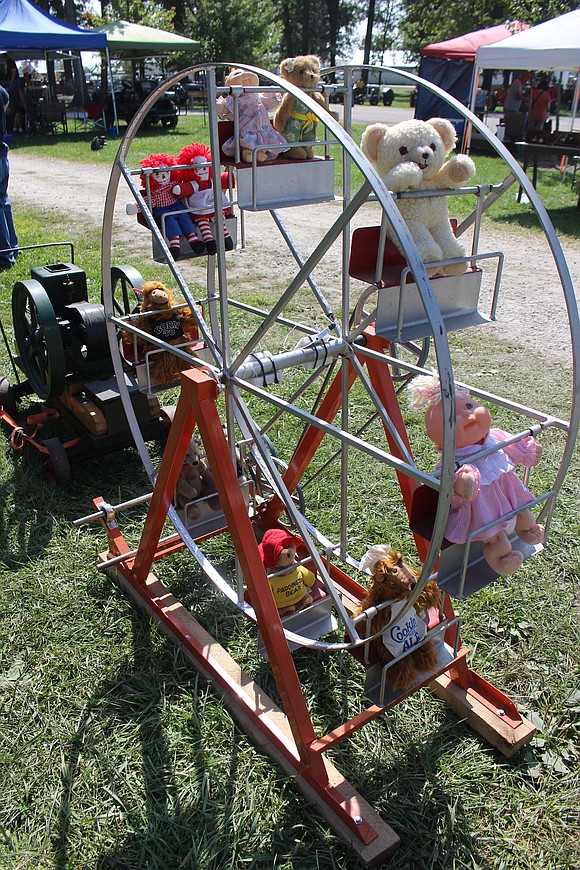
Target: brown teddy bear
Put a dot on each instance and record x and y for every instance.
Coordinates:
(291, 581)
(195, 481)
(393, 580)
(175, 326)
(292, 118)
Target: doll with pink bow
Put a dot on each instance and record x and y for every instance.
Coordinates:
(485, 488)
(255, 128)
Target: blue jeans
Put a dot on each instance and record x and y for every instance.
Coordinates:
(8, 237)
(175, 224)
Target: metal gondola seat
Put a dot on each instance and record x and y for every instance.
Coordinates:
(401, 316)
(279, 183)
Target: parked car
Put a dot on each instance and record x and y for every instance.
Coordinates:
(129, 96)
(388, 95)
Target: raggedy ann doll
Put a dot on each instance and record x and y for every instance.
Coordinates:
(485, 488)
(165, 202)
(195, 187)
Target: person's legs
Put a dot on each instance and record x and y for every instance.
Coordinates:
(8, 238)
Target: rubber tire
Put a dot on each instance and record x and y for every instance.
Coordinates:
(57, 466)
(8, 398)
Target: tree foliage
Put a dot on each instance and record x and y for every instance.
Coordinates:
(422, 21)
(246, 31)
(381, 33)
(322, 27)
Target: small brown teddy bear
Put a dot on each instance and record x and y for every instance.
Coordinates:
(393, 580)
(291, 581)
(292, 118)
(195, 481)
(175, 326)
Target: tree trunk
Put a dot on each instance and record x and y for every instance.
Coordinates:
(288, 44)
(332, 8)
(305, 27)
(368, 38)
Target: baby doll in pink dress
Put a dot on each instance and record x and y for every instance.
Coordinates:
(486, 488)
(255, 128)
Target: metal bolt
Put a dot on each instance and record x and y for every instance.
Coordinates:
(357, 820)
(501, 712)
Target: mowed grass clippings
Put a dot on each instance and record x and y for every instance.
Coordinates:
(115, 754)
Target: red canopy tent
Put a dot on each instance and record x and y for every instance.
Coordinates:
(465, 47)
(450, 65)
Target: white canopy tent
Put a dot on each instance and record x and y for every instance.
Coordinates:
(553, 45)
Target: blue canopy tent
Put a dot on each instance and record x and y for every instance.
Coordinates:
(26, 28)
(27, 32)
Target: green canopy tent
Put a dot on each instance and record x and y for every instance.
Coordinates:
(129, 40)
(136, 42)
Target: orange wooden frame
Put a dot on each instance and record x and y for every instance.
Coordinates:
(297, 746)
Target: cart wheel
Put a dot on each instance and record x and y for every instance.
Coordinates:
(57, 465)
(415, 352)
(38, 339)
(123, 280)
(8, 398)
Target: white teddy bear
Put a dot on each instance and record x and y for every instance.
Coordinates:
(411, 156)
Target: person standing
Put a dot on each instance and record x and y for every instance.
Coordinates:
(514, 107)
(8, 238)
(516, 93)
(540, 102)
(17, 110)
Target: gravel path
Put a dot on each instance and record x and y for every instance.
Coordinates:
(531, 311)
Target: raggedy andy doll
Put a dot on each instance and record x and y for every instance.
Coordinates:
(194, 185)
(485, 488)
(165, 203)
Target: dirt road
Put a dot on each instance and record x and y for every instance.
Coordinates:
(531, 311)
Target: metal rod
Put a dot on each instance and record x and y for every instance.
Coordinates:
(81, 521)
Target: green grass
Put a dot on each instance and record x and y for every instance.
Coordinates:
(114, 754)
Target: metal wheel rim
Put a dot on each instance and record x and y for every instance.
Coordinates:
(38, 339)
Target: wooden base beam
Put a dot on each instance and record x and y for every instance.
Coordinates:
(260, 718)
(495, 725)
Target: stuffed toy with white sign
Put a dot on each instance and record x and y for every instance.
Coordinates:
(393, 581)
(168, 322)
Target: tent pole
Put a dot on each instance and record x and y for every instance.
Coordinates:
(475, 80)
(115, 118)
(575, 100)
(51, 78)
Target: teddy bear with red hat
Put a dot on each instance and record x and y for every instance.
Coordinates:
(289, 581)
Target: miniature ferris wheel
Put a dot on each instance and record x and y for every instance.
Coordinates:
(297, 401)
